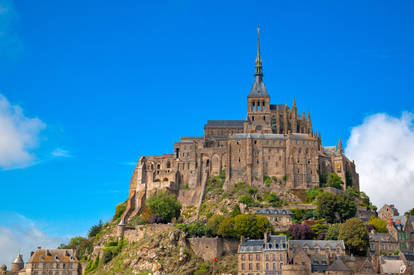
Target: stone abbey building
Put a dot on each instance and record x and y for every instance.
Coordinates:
(273, 140)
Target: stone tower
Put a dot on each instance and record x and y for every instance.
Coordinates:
(18, 263)
(258, 100)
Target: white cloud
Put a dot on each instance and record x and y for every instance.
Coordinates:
(19, 134)
(59, 152)
(383, 149)
(23, 235)
(10, 42)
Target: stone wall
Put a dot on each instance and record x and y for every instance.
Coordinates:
(208, 248)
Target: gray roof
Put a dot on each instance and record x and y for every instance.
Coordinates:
(258, 88)
(321, 243)
(273, 211)
(277, 106)
(316, 268)
(270, 136)
(18, 259)
(381, 237)
(409, 256)
(338, 265)
(225, 123)
(275, 242)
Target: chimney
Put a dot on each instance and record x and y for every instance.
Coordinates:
(398, 221)
(265, 237)
(389, 222)
(242, 239)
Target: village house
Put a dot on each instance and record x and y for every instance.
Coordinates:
(281, 219)
(265, 256)
(402, 229)
(383, 244)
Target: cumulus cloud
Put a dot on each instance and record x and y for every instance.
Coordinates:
(22, 235)
(383, 149)
(19, 135)
(10, 42)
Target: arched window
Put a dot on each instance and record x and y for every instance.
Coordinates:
(168, 164)
(158, 166)
(267, 266)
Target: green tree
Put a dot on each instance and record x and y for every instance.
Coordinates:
(119, 210)
(95, 229)
(226, 228)
(252, 226)
(355, 236)
(335, 208)
(214, 222)
(197, 229)
(273, 199)
(409, 213)
(164, 205)
(236, 210)
(81, 245)
(333, 232)
(379, 224)
(335, 181)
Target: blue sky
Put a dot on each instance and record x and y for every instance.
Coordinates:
(109, 82)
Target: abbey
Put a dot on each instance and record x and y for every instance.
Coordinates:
(272, 141)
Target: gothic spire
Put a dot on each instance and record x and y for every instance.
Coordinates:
(294, 104)
(340, 149)
(258, 71)
(258, 89)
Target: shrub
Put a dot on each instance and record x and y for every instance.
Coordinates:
(164, 205)
(335, 181)
(214, 222)
(156, 219)
(379, 224)
(335, 208)
(198, 229)
(267, 180)
(137, 220)
(333, 232)
(236, 210)
(301, 232)
(119, 210)
(246, 199)
(95, 229)
(273, 199)
(203, 270)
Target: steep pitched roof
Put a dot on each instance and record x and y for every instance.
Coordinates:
(338, 265)
(258, 88)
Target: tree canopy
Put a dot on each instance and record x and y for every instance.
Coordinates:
(355, 236)
(333, 232)
(164, 205)
(335, 181)
(379, 224)
(335, 208)
(301, 232)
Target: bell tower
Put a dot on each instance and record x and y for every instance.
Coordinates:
(258, 100)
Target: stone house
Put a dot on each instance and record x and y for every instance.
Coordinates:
(387, 211)
(48, 262)
(273, 140)
(402, 229)
(331, 249)
(266, 256)
(281, 219)
(382, 244)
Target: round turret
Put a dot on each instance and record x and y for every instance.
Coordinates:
(18, 263)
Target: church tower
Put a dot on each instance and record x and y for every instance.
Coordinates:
(258, 100)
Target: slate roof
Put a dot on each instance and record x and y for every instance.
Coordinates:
(321, 243)
(381, 237)
(274, 211)
(52, 255)
(18, 259)
(258, 88)
(225, 123)
(275, 242)
(409, 256)
(338, 265)
(277, 106)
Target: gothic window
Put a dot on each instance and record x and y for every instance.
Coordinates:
(252, 118)
(255, 142)
(264, 118)
(239, 160)
(168, 164)
(267, 266)
(158, 166)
